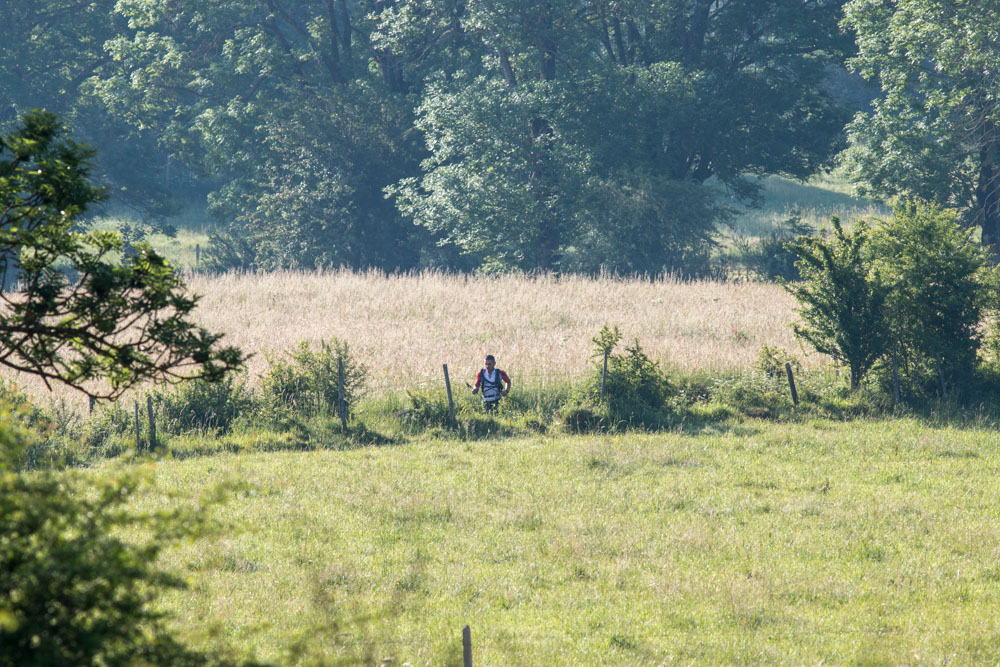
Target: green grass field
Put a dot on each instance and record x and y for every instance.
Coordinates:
(871, 542)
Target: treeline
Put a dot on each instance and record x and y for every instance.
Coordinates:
(516, 134)
(504, 134)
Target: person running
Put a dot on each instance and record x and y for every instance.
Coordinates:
(491, 380)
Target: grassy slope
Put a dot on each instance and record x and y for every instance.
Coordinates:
(815, 201)
(872, 542)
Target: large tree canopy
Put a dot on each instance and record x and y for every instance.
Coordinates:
(933, 133)
(77, 314)
(552, 135)
(572, 135)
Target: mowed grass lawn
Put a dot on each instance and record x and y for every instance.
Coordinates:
(865, 542)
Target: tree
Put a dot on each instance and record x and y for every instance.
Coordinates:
(934, 132)
(576, 126)
(79, 314)
(297, 113)
(841, 301)
(936, 279)
(51, 53)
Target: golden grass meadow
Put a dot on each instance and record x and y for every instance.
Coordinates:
(538, 327)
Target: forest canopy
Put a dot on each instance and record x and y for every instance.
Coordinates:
(558, 135)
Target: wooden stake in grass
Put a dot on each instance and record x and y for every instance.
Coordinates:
(791, 383)
(467, 646)
(447, 386)
(342, 409)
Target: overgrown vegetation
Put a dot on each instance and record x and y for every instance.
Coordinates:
(72, 590)
(911, 292)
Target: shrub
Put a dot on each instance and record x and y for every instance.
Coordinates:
(938, 288)
(210, 407)
(636, 390)
(72, 592)
(840, 299)
(308, 381)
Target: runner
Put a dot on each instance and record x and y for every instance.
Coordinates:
(491, 380)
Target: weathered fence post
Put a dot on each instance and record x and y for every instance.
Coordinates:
(447, 386)
(791, 383)
(467, 646)
(138, 440)
(92, 402)
(152, 422)
(342, 409)
(604, 373)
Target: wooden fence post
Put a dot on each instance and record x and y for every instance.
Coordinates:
(152, 422)
(791, 383)
(604, 373)
(138, 441)
(92, 402)
(447, 386)
(467, 646)
(340, 390)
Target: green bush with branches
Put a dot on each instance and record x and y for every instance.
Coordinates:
(308, 381)
(637, 391)
(841, 301)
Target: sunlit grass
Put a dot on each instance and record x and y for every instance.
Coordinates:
(815, 201)
(872, 542)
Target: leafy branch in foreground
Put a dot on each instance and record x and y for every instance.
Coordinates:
(78, 315)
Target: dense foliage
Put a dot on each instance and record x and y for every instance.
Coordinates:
(534, 135)
(915, 287)
(73, 591)
(933, 133)
(841, 303)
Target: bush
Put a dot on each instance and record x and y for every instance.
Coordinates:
(72, 592)
(939, 284)
(636, 391)
(210, 407)
(308, 382)
(841, 300)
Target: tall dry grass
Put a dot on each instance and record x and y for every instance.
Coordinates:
(404, 327)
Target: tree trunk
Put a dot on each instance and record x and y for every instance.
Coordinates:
(855, 377)
(988, 191)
